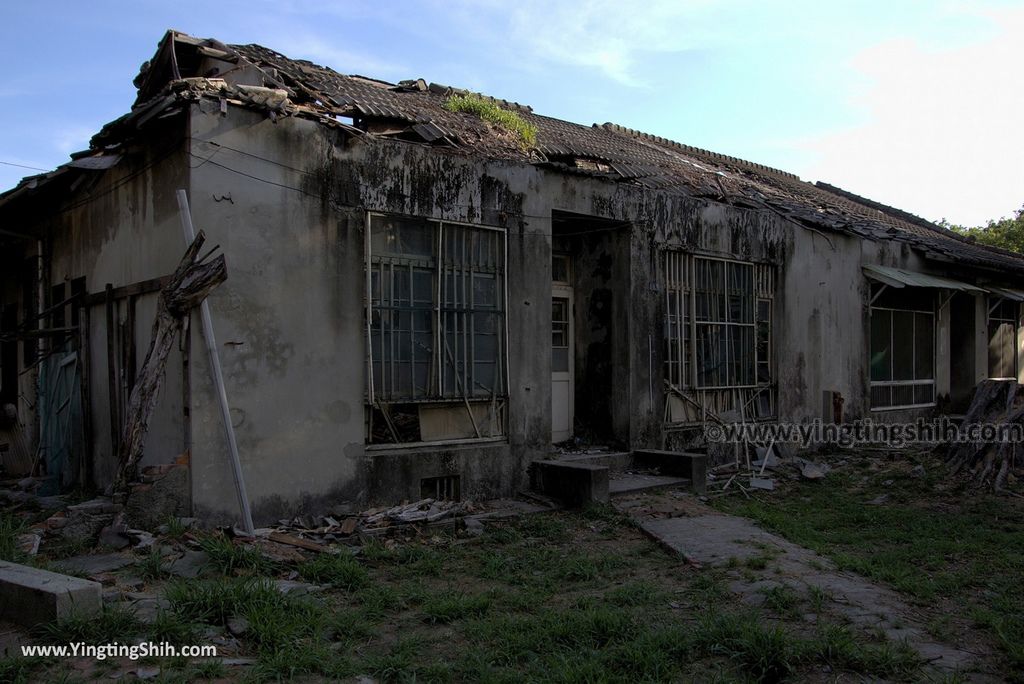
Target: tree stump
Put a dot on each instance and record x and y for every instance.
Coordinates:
(998, 403)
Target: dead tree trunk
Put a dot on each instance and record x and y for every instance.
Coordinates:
(990, 457)
(190, 284)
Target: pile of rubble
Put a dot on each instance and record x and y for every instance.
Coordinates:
(762, 472)
(111, 524)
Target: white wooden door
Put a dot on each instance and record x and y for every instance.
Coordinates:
(561, 363)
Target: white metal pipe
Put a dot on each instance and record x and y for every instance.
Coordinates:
(218, 377)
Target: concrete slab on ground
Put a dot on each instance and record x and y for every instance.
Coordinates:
(29, 596)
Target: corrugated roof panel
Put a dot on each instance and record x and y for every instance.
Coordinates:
(898, 277)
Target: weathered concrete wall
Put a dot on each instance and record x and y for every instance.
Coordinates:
(290, 319)
(123, 229)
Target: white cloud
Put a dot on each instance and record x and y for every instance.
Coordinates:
(942, 135)
(607, 35)
(73, 137)
(307, 45)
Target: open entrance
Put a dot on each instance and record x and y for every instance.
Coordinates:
(590, 329)
(962, 353)
(562, 329)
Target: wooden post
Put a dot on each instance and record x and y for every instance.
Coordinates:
(218, 378)
(115, 422)
(85, 361)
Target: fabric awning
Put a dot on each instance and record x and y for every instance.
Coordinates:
(898, 277)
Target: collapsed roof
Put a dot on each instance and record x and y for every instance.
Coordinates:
(186, 69)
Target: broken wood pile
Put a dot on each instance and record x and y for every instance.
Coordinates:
(990, 455)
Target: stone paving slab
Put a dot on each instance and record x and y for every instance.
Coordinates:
(725, 541)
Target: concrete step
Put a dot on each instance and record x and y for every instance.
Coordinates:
(628, 483)
(615, 461)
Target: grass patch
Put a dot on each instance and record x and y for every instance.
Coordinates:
(547, 598)
(451, 606)
(407, 560)
(635, 594)
(113, 623)
(175, 528)
(486, 109)
(171, 627)
(230, 558)
(214, 601)
(18, 670)
(10, 527)
(783, 600)
(151, 567)
(340, 570)
(937, 547)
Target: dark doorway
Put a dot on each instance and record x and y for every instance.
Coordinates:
(8, 355)
(962, 340)
(600, 286)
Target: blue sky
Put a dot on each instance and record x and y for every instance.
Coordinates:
(915, 104)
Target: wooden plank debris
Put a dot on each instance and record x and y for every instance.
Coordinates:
(291, 540)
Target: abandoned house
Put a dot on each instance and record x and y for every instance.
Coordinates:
(420, 302)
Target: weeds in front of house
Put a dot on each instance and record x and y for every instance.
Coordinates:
(176, 529)
(546, 598)
(112, 624)
(231, 558)
(10, 527)
(340, 570)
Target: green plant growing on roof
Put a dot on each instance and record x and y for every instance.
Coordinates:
(488, 111)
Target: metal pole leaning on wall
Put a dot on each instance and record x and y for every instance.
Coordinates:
(218, 377)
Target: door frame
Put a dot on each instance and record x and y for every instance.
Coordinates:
(565, 291)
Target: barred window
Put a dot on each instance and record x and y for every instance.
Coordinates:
(717, 323)
(436, 315)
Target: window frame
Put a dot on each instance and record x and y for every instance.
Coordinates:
(681, 324)
(992, 303)
(914, 382)
(437, 309)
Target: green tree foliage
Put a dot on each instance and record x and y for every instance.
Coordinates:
(1007, 233)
